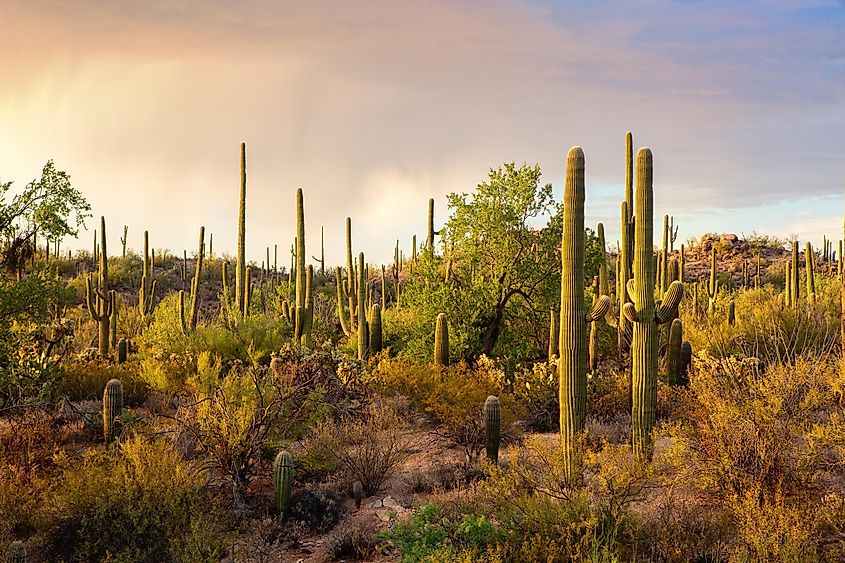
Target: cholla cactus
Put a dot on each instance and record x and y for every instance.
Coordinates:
(283, 481)
(492, 427)
(112, 408)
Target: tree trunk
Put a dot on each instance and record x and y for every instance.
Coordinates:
(491, 333)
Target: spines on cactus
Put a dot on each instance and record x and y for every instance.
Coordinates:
(492, 427)
(441, 341)
(112, 408)
(283, 481)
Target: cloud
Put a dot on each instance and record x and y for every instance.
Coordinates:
(372, 107)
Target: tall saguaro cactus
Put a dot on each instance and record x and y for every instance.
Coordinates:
(574, 317)
(363, 333)
(810, 267)
(146, 294)
(240, 266)
(299, 321)
(195, 284)
(713, 284)
(429, 242)
(100, 300)
(644, 314)
(308, 310)
(795, 282)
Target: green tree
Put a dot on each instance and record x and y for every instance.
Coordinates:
(50, 207)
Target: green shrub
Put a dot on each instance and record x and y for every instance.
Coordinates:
(137, 502)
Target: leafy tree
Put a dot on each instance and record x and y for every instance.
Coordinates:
(50, 206)
(498, 246)
(499, 274)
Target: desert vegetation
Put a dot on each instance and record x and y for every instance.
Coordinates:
(512, 387)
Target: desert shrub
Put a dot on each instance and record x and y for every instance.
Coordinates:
(136, 502)
(453, 397)
(428, 536)
(314, 508)
(86, 380)
(244, 417)
(370, 446)
(351, 541)
(536, 392)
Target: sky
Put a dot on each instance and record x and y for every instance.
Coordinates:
(374, 106)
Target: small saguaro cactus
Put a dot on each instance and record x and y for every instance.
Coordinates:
(574, 317)
(441, 341)
(283, 481)
(375, 329)
(123, 239)
(645, 315)
(674, 367)
(623, 326)
(195, 284)
(731, 313)
(308, 312)
(112, 408)
(686, 360)
(357, 493)
(16, 552)
(492, 427)
(121, 351)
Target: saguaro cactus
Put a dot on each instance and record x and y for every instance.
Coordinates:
(810, 267)
(644, 315)
(195, 284)
(112, 408)
(122, 240)
(100, 300)
(731, 313)
(308, 311)
(623, 327)
(240, 266)
(795, 283)
(674, 359)
(572, 366)
(441, 341)
(363, 333)
(299, 322)
(492, 424)
(713, 285)
(429, 242)
(121, 351)
(146, 293)
(16, 552)
(375, 329)
(283, 481)
(351, 290)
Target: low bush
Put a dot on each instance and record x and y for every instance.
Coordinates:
(136, 502)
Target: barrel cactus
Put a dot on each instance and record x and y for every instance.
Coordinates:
(492, 427)
(112, 408)
(283, 481)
